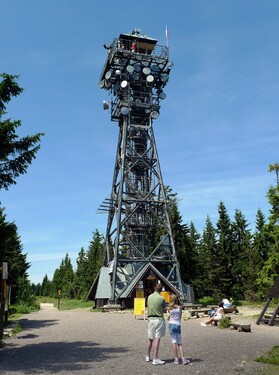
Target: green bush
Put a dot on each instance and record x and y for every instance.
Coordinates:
(22, 309)
(224, 323)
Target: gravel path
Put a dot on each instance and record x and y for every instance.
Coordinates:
(82, 342)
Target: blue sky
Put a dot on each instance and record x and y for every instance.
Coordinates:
(216, 135)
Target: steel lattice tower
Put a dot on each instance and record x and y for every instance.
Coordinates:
(139, 245)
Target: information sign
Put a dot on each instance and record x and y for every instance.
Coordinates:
(139, 307)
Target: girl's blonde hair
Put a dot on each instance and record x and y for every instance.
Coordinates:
(173, 304)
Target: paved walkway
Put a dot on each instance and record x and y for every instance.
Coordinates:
(81, 342)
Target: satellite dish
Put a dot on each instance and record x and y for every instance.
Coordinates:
(125, 111)
(155, 68)
(154, 115)
(101, 84)
(150, 78)
(118, 72)
(145, 63)
(124, 84)
(146, 71)
(108, 74)
(162, 95)
(164, 77)
(137, 67)
(130, 69)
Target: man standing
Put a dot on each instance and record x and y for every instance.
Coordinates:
(156, 324)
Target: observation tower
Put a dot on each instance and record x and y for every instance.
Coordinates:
(139, 247)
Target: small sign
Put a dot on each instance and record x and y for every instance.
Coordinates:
(5, 273)
(140, 293)
(139, 307)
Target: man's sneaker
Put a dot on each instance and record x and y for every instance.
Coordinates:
(147, 358)
(176, 361)
(185, 361)
(158, 362)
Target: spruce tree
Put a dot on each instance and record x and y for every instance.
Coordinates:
(94, 257)
(185, 239)
(195, 249)
(63, 279)
(45, 287)
(16, 154)
(207, 264)
(241, 255)
(81, 284)
(261, 238)
(270, 269)
(224, 252)
(11, 249)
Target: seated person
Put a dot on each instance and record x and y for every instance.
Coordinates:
(218, 315)
(227, 303)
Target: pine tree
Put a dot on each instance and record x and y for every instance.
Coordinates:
(56, 282)
(63, 279)
(207, 264)
(185, 239)
(36, 289)
(11, 249)
(179, 234)
(81, 284)
(195, 249)
(270, 268)
(241, 258)
(94, 257)
(255, 258)
(261, 238)
(224, 252)
(45, 287)
(16, 154)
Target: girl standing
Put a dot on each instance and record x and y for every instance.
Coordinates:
(175, 312)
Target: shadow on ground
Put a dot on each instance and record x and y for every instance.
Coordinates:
(53, 357)
(36, 324)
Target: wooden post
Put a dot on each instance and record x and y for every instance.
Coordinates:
(3, 292)
(276, 311)
(263, 311)
(59, 297)
(2, 309)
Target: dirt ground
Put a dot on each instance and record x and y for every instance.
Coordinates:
(81, 343)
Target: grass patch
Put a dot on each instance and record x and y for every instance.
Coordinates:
(71, 304)
(66, 304)
(272, 357)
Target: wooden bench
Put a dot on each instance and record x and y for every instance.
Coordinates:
(196, 312)
(232, 309)
(192, 306)
(111, 308)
